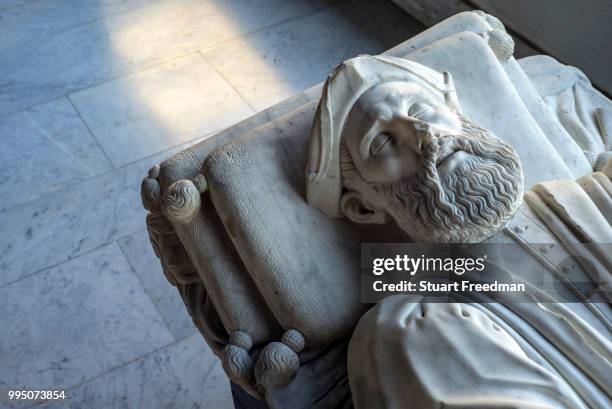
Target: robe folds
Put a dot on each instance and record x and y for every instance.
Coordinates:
(480, 352)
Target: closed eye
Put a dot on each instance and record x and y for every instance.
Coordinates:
(380, 141)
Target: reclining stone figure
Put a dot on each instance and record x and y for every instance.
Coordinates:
(388, 149)
(394, 143)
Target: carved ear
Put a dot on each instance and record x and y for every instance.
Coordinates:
(355, 208)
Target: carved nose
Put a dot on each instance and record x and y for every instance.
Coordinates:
(423, 136)
(418, 132)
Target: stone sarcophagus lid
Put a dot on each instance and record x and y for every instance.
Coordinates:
(266, 276)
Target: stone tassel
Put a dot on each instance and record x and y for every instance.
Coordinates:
(237, 362)
(278, 363)
(150, 191)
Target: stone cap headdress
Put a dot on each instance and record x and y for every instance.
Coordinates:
(347, 82)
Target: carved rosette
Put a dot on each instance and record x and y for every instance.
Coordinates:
(182, 201)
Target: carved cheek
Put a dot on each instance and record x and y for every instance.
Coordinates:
(392, 166)
(409, 162)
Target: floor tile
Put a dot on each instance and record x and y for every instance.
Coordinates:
(145, 113)
(181, 375)
(73, 221)
(9, 4)
(269, 66)
(128, 42)
(33, 20)
(44, 149)
(75, 321)
(139, 253)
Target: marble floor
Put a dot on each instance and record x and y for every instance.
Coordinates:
(92, 93)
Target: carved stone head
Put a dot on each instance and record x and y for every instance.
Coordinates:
(389, 142)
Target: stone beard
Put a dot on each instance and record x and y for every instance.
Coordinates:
(469, 203)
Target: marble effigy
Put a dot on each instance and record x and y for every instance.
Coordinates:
(266, 259)
(389, 144)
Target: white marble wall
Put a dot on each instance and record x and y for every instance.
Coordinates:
(92, 93)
